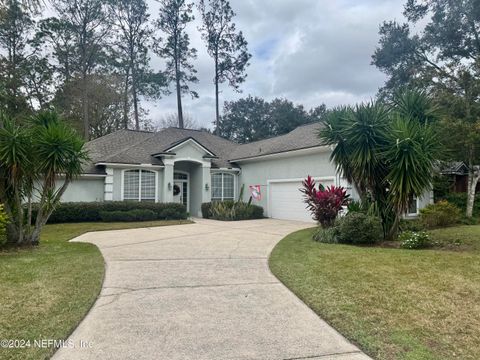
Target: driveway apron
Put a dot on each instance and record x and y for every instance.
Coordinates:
(199, 291)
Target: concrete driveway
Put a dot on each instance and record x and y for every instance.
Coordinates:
(199, 291)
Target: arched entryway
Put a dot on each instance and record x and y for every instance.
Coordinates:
(191, 184)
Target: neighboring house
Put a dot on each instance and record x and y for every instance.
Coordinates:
(192, 167)
(457, 174)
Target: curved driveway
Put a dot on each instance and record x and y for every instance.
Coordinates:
(199, 291)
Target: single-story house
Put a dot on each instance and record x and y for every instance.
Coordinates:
(457, 174)
(193, 167)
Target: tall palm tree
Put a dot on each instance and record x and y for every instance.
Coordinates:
(32, 160)
(387, 152)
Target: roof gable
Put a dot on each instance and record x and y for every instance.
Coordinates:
(189, 141)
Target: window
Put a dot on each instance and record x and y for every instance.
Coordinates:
(180, 176)
(412, 205)
(223, 186)
(139, 185)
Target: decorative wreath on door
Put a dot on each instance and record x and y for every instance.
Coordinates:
(176, 190)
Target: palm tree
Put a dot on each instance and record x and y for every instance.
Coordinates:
(32, 159)
(386, 152)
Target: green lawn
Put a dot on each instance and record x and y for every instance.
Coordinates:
(47, 290)
(393, 303)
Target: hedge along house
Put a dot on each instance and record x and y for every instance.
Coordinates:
(193, 167)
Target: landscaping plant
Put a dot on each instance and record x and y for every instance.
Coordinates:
(440, 214)
(326, 235)
(73, 212)
(414, 240)
(3, 225)
(460, 200)
(33, 157)
(358, 228)
(235, 210)
(231, 210)
(411, 225)
(386, 150)
(323, 203)
(130, 215)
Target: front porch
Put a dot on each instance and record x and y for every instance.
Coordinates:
(187, 182)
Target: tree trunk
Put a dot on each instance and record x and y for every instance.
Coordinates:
(29, 214)
(393, 231)
(179, 101)
(125, 101)
(135, 102)
(217, 107)
(86, 123)
(19, 220)
(42, 216)
(473, 178)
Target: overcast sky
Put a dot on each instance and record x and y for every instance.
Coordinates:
(308, 51)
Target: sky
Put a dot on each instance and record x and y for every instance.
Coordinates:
(308, 51)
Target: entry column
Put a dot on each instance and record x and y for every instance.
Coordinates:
(167, 191)
(207, 183)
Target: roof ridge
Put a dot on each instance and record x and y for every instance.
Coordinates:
(179, 128)
(203, 132)
(141, 131)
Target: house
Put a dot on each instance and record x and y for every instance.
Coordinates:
(457, 175)
(193, 167)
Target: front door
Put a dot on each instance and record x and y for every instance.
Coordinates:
(180, 189)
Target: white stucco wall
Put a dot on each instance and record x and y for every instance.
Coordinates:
(83, 190)
(189, 151)
(299, 166)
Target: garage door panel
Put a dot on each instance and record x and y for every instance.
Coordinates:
(286, 200)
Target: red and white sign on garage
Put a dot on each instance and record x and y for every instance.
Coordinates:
(255, 192)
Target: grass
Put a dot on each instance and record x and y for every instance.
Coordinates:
(47, 290)
(393, 303)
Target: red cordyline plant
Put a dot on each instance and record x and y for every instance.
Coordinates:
(323, 203)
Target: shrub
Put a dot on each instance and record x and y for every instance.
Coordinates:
(3, 225)
(248, 211)
(355, 206)
(207, 210)
(233, 211)
(358, 228)
(440, 214)
(326, 235)
(411, 225)
(130, 215)
(324, 203)
(414, 240)
(469, 221)
(460, 200)
(90, 212)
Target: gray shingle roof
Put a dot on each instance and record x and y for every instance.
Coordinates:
(134, 147)
(107, 145)
(305, 136)
(137, 147)
(453, 168)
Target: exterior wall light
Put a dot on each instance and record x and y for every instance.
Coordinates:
(207, 187)
(169, 186)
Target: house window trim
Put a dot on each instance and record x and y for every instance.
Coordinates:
(139, 184)
(234, 185)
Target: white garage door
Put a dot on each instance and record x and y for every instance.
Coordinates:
(286, 200)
